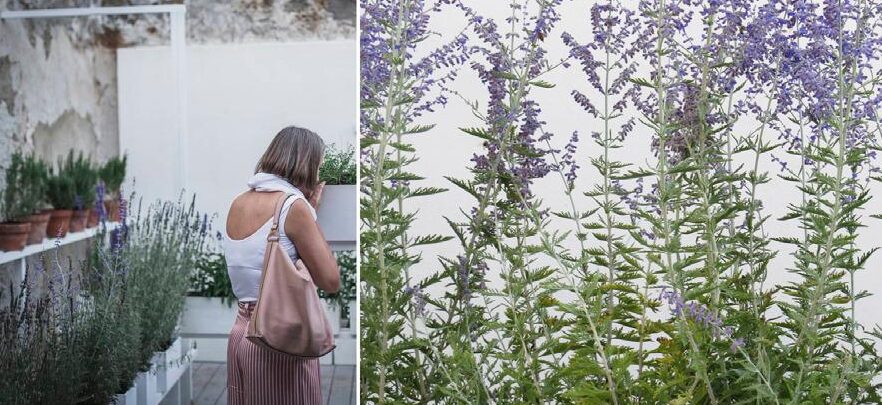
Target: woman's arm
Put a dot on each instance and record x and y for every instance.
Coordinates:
(310, 242)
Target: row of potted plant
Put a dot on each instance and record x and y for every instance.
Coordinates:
(41, 200)
(81, 331)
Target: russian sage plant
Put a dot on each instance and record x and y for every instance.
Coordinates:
(397, 89)
(496, 324)
(667, 280)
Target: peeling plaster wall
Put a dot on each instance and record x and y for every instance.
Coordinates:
(58, 77)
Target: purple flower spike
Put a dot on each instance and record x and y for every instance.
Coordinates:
(419, 299)
(700, 315)
(100, 192)
(736, 344)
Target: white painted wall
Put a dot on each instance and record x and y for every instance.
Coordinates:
(446, 151)
(240, 96)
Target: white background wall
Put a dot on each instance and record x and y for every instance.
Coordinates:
(240, 96)
(446, 151)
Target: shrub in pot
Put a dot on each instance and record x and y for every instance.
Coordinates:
(338, 166)
(85, 179)
(162, 247)
(336, 214)
(210, 278)
(61, 193)
(33, 183)
(347, 263)
(113, 173)
(17, 205)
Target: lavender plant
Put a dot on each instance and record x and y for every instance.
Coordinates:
(162, 246)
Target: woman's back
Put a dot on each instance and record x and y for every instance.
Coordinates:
(248, 225)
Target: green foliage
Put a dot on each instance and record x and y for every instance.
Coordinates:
(163, 246)
(80, 333)
(113, 173)
(394, 366)
(566, 307)
(348, 288)
(338, 166)
(61, 191)
(26, 179)
(81, 171)
(210, 278)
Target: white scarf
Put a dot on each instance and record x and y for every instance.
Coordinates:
(266, 182)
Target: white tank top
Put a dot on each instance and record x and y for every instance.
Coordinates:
(245, 256)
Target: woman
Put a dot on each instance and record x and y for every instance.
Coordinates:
(290, 165)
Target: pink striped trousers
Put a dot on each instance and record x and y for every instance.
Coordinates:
(258, 376)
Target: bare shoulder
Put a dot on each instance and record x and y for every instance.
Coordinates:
(238, 202)
(299, 211)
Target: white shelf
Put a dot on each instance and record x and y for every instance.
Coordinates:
(51, 243)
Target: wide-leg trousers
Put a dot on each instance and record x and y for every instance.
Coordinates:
(260, 376)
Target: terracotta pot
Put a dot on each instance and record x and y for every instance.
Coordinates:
(112, 209)
(39, 223)
(78, 220)
(14, 235)
(93, 218)
(59, 222)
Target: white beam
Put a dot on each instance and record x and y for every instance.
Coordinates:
(179, 56)
(89, 11)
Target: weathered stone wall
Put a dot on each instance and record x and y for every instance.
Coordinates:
(58, 77)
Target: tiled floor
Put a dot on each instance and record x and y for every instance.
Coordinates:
(210, 384)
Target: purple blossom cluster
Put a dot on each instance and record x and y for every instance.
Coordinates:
(568, 160)
(118, 236)
(513, 150)
(613, 27)
(794, 53)
(418, 298)
(468, 276)
(700, 315)
(384, 51)
(100, 192)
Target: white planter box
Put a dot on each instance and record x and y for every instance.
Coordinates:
(333, 315)
(353, 315)
(129, 398)
(336, 213)
(169, 364)
(146, 384)
(208, 321)
(346, 352)
(168, 381)
(208, 316)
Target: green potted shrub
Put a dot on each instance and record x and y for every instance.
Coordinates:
(336, 213)
(33, 183)
(14, 229)
(85, 179)
(61, 194)
(341, 309)
(113, 173)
